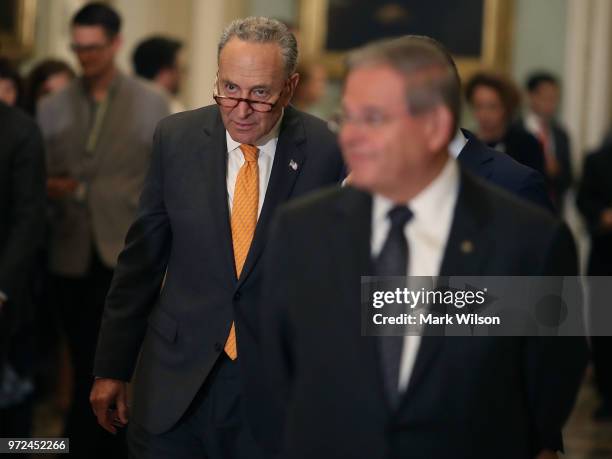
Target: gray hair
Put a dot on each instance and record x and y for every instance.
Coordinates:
(425, 63)
(263, 30)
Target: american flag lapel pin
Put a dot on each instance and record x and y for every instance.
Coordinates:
(293, 165)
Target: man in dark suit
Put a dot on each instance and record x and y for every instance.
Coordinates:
(410, 210)
(22, 218)
(217, 175)
(595, 203)
(500, 169)
(543, 99)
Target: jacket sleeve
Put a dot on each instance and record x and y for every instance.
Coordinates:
(274, 322)
(533, 189)
(555, 364)
(592, 198)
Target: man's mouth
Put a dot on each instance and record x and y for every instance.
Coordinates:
(243, 126)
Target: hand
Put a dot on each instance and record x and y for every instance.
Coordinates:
(606, 219)
(108, 399)
(547, 454)
(59, 187)
(553, 168)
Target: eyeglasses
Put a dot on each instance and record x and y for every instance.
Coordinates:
(255, 105)
(372, 120)
(82, 49)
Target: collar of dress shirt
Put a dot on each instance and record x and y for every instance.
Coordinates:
(112, 87)
(266, 144)
(533, 123)
(429, 204)
(457, 144)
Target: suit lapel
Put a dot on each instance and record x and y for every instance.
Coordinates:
(476, 157)
(465, 255)
(213, 151)
(288, 163)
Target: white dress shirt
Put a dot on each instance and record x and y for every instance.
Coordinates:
(235, 160)
(427, 233)
(533, 125)
(457, 144)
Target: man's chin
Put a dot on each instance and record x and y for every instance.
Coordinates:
(361, 182)
(248, 136)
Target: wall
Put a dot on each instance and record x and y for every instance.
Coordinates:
(285, 10)
(539, 37)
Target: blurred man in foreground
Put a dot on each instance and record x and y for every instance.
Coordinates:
(410, 211)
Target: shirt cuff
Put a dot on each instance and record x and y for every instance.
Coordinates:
(3, 297)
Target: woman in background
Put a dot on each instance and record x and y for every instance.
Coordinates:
(11, 85)
(48, 76)
(494, 101)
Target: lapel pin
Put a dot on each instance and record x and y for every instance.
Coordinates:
(467, 246)
(293, 165)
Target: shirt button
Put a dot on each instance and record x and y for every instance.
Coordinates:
(218, 347)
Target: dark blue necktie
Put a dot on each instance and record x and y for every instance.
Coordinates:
(393, 261)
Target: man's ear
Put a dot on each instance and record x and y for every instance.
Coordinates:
(116, 42)
(292, 84)
(439, 127)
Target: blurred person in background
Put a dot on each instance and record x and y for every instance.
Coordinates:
(594, 201)
(54, 373)
(486, 162)
(494, 101)
(98, 133)
(22, 219)
(543, 95)
(159, 59)
(311, 88)
(47, 77)
(11, 84)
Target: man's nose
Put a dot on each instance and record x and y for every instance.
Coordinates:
(244, 109)
(349, 134)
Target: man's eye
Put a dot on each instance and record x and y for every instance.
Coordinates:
(230, 87)
(260, 93)
(373, 118)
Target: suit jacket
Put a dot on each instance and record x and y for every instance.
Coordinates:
(183, 224)
(114, 172)
(524, 147)
(467, 397)
(503, 171)
(595, 195)
(22, 211)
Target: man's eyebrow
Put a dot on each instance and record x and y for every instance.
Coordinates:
(253, 88)
(365, 109)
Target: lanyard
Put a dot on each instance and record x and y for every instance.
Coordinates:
(94, 132)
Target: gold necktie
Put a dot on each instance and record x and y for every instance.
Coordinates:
(244, 220)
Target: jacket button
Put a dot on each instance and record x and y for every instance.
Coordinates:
(237, 296)
(218, 347)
